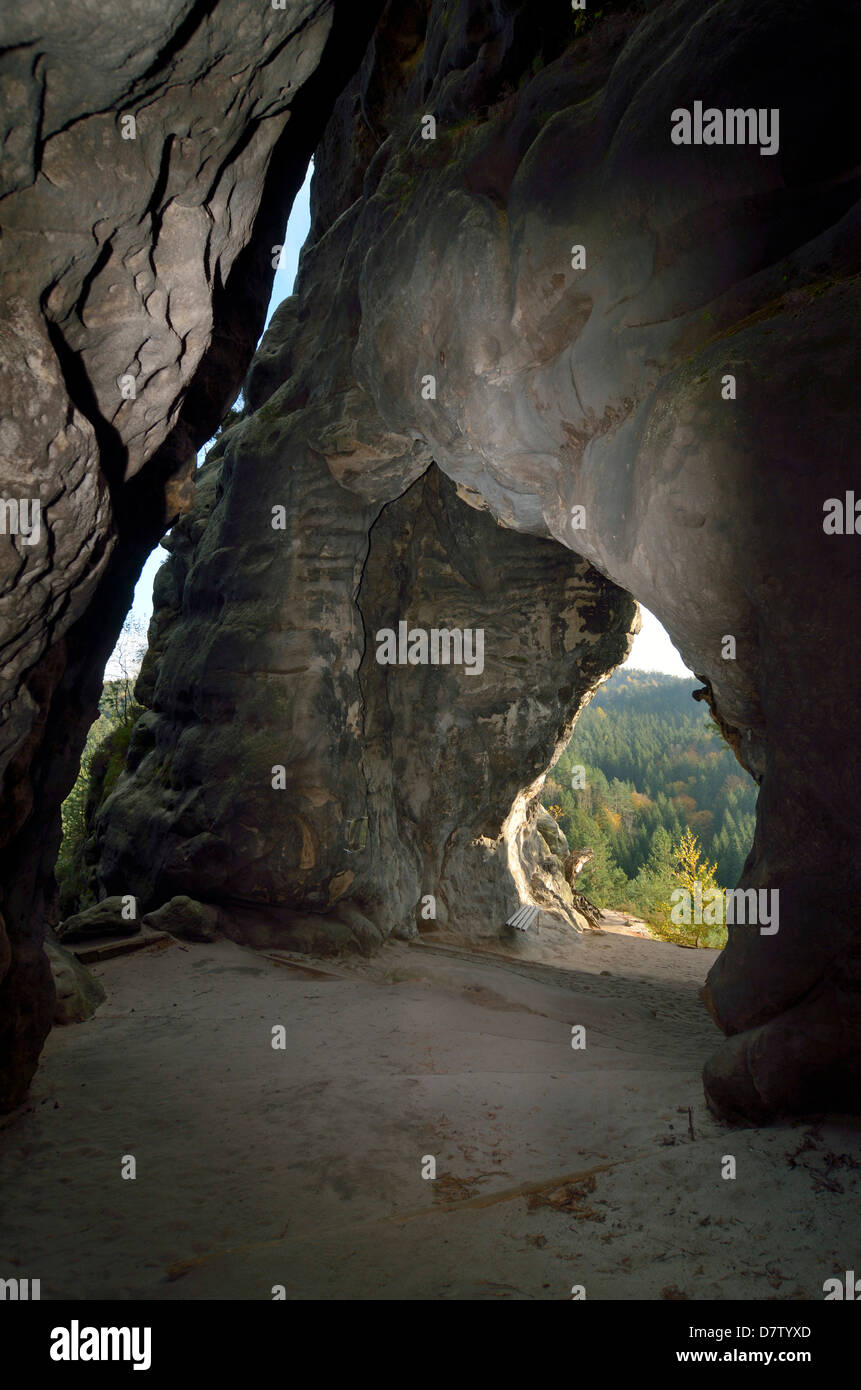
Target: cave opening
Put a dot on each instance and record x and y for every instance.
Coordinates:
(650, 799)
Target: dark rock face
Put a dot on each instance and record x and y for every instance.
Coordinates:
(600, 383)
(365, 788)
(546, 300)
(454, 759)
(135, 274)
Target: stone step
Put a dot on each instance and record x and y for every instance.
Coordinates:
(104, 947)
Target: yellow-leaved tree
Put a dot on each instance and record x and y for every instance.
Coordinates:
(693, 873)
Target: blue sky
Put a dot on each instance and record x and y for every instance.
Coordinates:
(652, 650)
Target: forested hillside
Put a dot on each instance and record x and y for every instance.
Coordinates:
(653, 764)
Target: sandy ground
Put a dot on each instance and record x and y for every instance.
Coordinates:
(302, 1167)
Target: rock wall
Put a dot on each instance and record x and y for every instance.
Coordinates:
(661, 334)
(135, 268)
(454, 758)
(318, 796)
(641, 350)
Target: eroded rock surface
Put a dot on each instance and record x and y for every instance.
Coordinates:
(135, 268)
(282, 765)
(578, 288)
(602, 387)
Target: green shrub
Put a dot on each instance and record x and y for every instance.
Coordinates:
(103, 760)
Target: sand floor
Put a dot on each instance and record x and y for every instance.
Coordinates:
(302, 1167)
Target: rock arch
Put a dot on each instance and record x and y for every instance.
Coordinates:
(561, 381)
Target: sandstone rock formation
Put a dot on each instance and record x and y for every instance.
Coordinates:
(638, 351)
(78, 992)
(282, 764)
(117, 916)
(184, 917)
(127, 265)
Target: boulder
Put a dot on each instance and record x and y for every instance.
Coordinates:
(79, 993)
(118, 915)
(186, 918)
